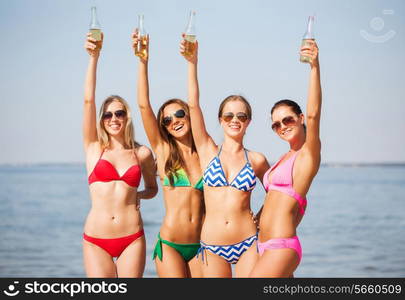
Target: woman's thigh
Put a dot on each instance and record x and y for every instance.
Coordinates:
(276, 263)
(131, 262)
(247, 261)
(214, 266)
(172, 263)
(97, 262)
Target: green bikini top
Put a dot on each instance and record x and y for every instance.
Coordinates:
(181, 179)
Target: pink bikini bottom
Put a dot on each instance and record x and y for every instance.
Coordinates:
(293, 243)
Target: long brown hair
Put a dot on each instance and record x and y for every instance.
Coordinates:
(129, 132)
(175, 161)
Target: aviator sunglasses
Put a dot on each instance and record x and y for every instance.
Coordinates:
(119, 114)
(227, 117)
(180, 114)
(287, 121)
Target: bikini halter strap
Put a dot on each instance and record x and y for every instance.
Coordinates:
(244, 149)
(219, 152)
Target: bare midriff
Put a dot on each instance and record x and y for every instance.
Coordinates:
(113, 213)
(184, 211)
(279, 217)
(228, 217)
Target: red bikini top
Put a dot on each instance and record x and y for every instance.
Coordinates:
(104, 171)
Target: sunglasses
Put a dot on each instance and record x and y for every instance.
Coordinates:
(180, 114)
(287, 121)
(227, 117)
(119, 114)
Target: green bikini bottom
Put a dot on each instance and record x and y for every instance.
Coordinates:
(187, 251)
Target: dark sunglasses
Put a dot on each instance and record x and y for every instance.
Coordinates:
(180, 114)
(119, 114)
(287, 121)
(227, 117)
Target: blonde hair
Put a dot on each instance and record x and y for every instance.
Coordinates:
(129, 136)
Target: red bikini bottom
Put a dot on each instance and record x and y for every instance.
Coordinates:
(114, 247)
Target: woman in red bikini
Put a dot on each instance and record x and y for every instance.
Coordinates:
(115, 164)
(289, 180)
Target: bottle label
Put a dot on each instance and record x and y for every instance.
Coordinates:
(96, 34)
(303, 58)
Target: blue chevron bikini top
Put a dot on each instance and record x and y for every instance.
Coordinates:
(214, 175)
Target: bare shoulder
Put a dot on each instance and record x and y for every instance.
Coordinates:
(308, 161)
(311, 154)
(93, 151)
(144, 152)
(257, 158)
(259, 162)
(211, 149)
(207, 154)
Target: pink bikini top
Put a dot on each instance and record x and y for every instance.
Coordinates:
(282, 180)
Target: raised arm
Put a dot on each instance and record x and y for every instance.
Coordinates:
(202, 139)
(314, 103)
(89, 110)
(149, 120)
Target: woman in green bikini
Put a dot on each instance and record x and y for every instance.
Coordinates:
(179, 169)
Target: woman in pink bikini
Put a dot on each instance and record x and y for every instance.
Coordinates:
(115, 164)
(289, 180)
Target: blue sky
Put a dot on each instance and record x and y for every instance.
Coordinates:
(246, 47)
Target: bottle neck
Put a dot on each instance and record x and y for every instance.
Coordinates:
(309, 34)
(140, 25)
(310, 24)
(190, 30)
(94, 22)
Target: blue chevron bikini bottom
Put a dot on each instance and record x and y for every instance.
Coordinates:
(231, 253)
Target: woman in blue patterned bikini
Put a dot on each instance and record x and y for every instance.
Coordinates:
(229, 233)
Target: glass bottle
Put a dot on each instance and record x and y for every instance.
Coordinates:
(308, 36)
(190, 36)
(141, 49)
(95, 28)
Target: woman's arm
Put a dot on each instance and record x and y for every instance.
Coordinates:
(202, 139)
(257, 218)
(148, 167)
(261, 165)
(89, 110)
(149, 120)
(314, 103)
